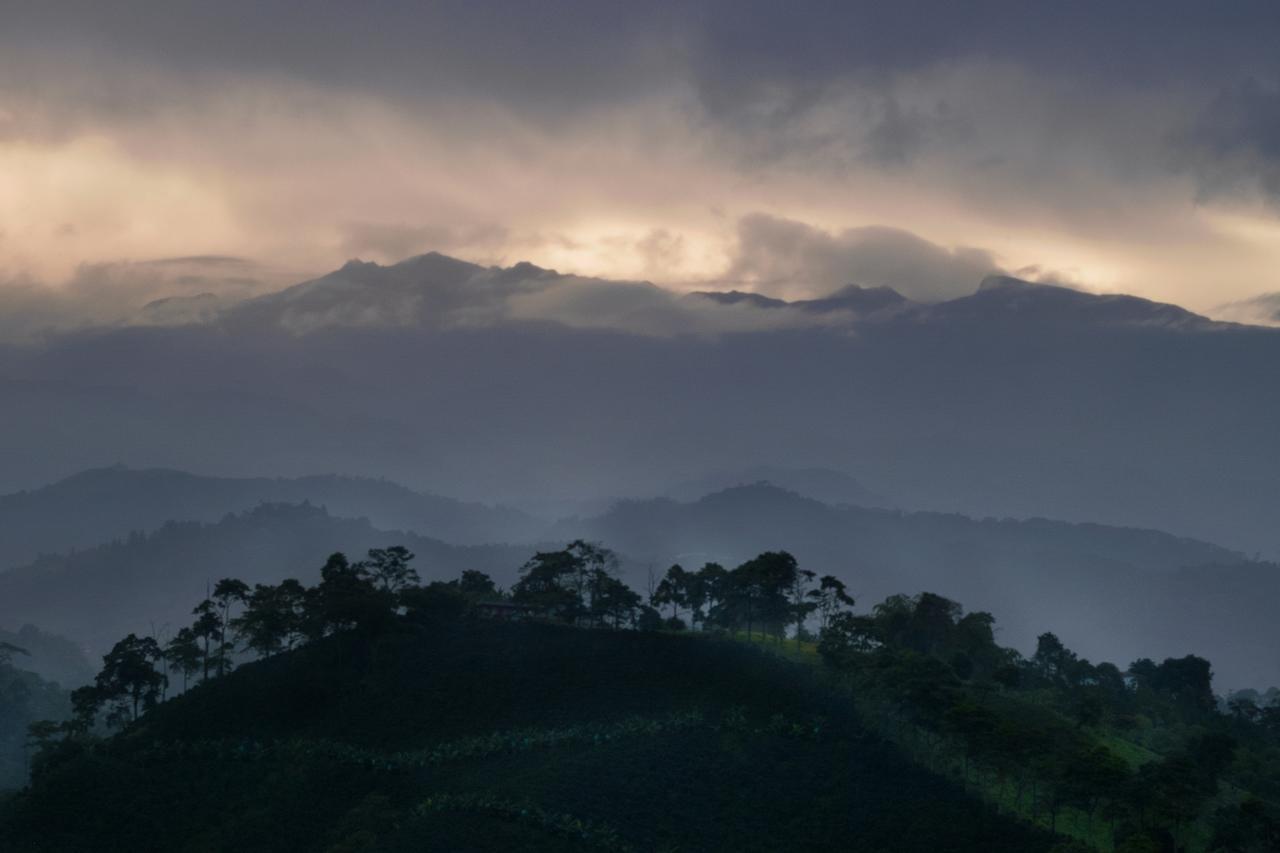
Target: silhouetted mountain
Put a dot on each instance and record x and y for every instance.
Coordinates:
(529, 386)
(864, 301)
(823, 484)
(1005, 299)
(149, 582)
(1108, 592)
(95, 506)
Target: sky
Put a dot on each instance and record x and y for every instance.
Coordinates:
(150, 149)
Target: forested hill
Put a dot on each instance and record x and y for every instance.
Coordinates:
(485, 736)
(1108, 591)
(109, 503)
(372, 711)
(147, 581)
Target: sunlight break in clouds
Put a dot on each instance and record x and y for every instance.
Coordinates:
(639, 155)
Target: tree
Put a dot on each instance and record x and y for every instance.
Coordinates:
(129, 682)
(831, 597)
(1188, 681)
(1052, 659)
(390, 570)
(85, 702)
(713, 587)
(227, 592)
(547, 581)
(207, 626)
(845, 637)
(1091, 775)
(759, 588)
(612, 600)
(672, 590)
(346, 599)
(566, 582)
(272, 617)
(476, 585)
(183, 654)
(801, 604)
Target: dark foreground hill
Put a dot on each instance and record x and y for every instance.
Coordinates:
(486, 736)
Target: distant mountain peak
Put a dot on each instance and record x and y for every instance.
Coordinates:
(1056, 305)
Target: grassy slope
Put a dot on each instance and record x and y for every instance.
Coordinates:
(774, 761)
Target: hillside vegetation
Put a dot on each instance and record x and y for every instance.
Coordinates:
(569, 714)
(483, 736)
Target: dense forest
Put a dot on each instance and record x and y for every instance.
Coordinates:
(746, 708)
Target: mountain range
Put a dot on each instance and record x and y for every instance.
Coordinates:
(110, 503)
(528, 387)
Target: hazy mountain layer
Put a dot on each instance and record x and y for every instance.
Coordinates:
(526, 386)
(1108, 592)
(148, 583)
(99, 505)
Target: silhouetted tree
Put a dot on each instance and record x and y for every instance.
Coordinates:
(227, 592)
(183, 654)
(389, 568)
(346, 599)
(831, 597)
(272, 617)
(672, 590)
(208, 625)
(1052, 659)
(476, 585)
(547, 581)
(613, 601)
(566, 582)
(758, 589)
(129, 682)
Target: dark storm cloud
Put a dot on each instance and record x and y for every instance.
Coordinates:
(1235, 144)
(565, 51)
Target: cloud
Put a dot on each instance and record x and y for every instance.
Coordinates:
(783, 256)
(388, 242)
(164, 290)
(1234, 145)
(629, 143)
(1261, 310)
(644, 308)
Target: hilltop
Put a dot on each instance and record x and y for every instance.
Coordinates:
(490, 736)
